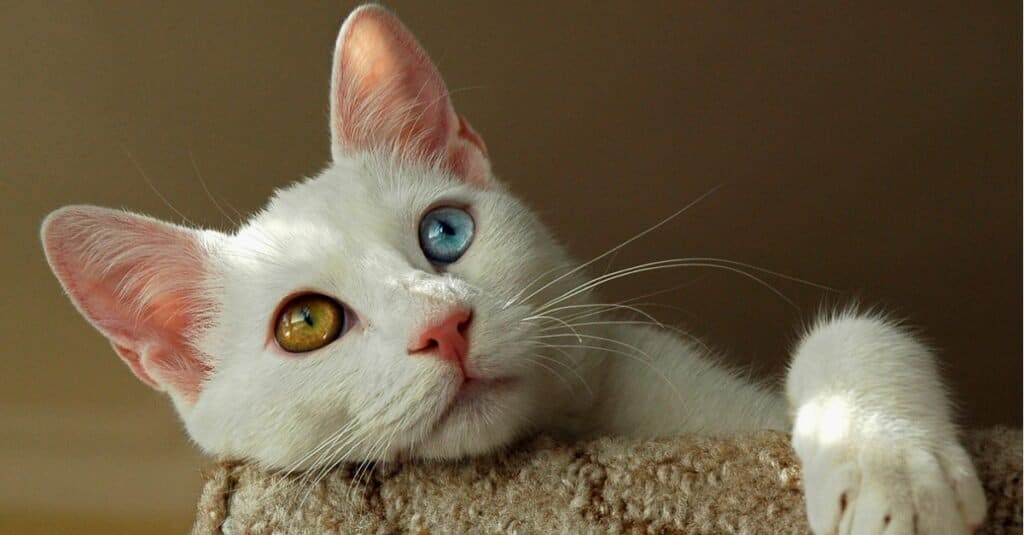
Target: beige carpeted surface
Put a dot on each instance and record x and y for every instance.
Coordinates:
(690, 484)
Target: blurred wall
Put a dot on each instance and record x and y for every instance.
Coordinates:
(871, 147)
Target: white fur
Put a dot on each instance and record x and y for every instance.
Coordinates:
(868, 403)
(872, 424)
(351, 233)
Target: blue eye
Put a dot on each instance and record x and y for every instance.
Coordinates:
(445, 234)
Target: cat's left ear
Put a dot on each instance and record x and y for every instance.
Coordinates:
(143, 284)
(386, 94)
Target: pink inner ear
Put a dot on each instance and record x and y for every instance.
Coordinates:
(468, 156)
(386, 93)
(139, 282)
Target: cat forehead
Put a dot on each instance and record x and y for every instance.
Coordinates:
(357, 191)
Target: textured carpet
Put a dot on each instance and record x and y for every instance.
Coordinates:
(691, 484)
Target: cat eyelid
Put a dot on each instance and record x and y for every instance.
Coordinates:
(448, 203)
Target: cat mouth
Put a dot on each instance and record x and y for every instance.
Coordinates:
(473, 392)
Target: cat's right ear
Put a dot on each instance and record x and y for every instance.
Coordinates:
(144, 284)
(387, 94)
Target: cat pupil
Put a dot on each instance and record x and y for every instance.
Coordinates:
(441, 230)
(306, 316)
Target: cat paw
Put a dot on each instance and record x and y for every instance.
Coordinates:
(869, 486)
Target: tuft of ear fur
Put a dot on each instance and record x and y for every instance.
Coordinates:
(142, 283)
(386, 93)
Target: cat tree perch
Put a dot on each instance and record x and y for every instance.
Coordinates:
(747, 483)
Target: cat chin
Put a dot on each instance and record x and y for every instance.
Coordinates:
(484, 416)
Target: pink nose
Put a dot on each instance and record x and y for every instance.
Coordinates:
(446, 339)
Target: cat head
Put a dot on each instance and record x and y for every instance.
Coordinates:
(382, 308)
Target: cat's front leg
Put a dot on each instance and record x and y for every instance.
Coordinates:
(873, 430)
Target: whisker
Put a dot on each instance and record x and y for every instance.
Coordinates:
(766, 271)
(599, 338)
(323, 444)
(650, 365)
(202, 182)
(595, 323)
(379, 447)
(583, 381)
(322, 466)
(153, 187)
(553, 318)
(323, 458)
(663, 291)
(312, 476)
(666, 306)
(604, 307)
(334, 436)
(353, 475)
(635, 237)
(519, 294)
(369, 454)
(550, 369)
(656, 266)
(581, 315)
(679, 332)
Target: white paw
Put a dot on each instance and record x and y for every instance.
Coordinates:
(873, 432)
(857, 485)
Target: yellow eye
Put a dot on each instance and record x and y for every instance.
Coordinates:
(309, 322)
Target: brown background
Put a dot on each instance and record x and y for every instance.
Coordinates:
(874, 149)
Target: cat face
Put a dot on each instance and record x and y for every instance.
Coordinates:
(380, 309)
(352, 234)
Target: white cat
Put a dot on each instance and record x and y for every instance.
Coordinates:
(404, 304)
